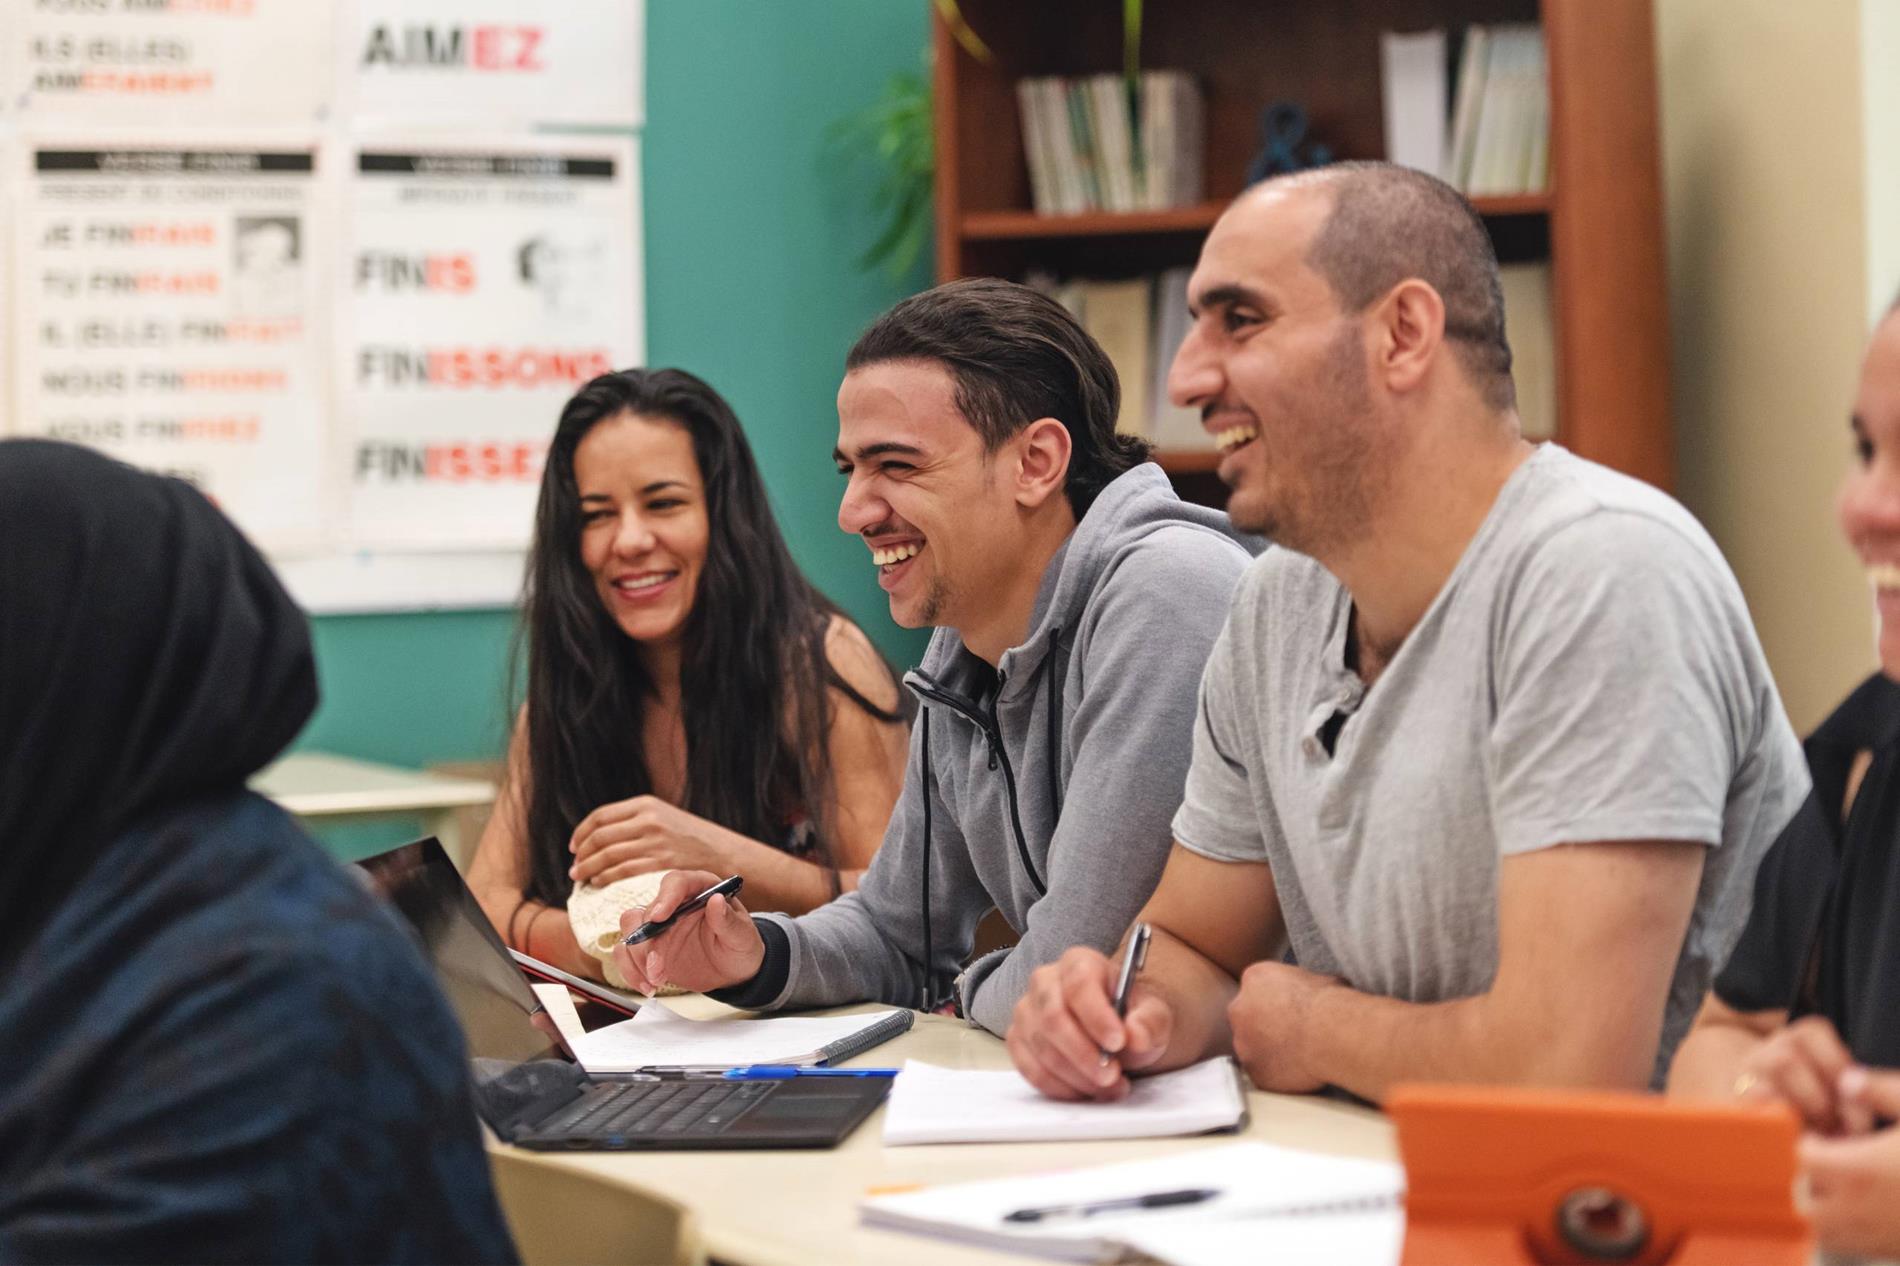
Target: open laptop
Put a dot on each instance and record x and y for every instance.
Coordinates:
(533, 1095)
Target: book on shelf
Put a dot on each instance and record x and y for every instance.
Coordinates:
(1093, 145)
(1497, 139)
(1118, 315)
(1413, 78)
(1505, 129)
(1175, 427)
(1529, 327)
(1140, 323)
(1464, 117)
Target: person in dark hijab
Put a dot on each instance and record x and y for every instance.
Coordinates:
(214, 1045)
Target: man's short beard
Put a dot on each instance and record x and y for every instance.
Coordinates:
(936, 598)
(1348, 471)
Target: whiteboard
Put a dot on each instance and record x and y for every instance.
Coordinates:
(360, 360)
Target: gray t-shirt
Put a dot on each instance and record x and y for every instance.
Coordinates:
(1588, 672)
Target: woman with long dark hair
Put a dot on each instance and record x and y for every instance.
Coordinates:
(692, 700)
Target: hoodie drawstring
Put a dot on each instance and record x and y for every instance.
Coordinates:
(923, 991)
(1054, 679)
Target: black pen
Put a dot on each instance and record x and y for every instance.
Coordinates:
(1153, 1200)
(1132, 959)
(727, 888)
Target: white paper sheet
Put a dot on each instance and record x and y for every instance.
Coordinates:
(171, 309)
(491, 277)
(659, 1038)
(1372, 1238)
(216, 63)
(495, 63)
(946, 1105)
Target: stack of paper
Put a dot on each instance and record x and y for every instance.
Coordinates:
(1267, 1204)
(943, 1105)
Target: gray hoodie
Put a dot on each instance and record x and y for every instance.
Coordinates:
(1043, 787)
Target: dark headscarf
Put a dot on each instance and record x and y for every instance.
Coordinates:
(148, 656)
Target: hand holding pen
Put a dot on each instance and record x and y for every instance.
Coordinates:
(695, 934)
(1069, 1040)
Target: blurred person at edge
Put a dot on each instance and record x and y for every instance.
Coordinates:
(215, 1046)
(1807, 1011)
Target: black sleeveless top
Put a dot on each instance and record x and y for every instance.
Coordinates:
(1824, 935)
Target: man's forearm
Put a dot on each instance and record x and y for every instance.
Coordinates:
(1197, 991)
(1368, 1044)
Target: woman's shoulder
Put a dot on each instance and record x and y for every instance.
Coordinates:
(859, 665)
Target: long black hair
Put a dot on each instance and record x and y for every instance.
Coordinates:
(753, 672)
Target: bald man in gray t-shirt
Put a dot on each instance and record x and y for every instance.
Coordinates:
(1487, 753)
(1588, 673)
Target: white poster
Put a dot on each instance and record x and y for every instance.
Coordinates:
(169, 307)
(496, 63)
(168, 62)
(487, 280)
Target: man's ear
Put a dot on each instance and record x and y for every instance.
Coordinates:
(1042, 462)
(1409, 334)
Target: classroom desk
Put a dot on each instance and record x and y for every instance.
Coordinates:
(319, 787)
(787, 1208)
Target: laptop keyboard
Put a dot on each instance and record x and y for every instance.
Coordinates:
(657, 1109)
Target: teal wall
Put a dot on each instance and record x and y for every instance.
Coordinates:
(753, 229)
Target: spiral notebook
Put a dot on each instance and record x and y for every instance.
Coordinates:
(1256, 1202)
(662, 1041)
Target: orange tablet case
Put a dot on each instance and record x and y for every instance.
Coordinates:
(1504, 1175)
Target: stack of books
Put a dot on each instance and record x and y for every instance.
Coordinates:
(1499, 141)
(1095, 145)
(1488, 134)
(1488, 131)
(1141, 323)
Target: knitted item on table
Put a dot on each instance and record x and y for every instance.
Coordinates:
(594, 914)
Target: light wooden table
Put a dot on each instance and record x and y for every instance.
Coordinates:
(319, 787)
(786, 1208)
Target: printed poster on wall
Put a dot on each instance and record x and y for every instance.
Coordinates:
(247, 63)
(496, 63)
(169, 308)
(487, 281)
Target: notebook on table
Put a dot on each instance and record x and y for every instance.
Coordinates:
(954, 1105)
(1240, 1202)
(532, 1094)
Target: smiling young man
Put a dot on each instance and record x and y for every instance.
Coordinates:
(1075, 598)
(1486, 757)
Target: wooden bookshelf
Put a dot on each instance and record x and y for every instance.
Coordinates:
(1599, 225)
(993, 225)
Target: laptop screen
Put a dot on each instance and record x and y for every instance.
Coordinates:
(518, 1061)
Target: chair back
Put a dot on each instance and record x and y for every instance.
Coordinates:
(563, 1216)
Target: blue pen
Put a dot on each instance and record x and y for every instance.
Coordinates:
(783, 1072)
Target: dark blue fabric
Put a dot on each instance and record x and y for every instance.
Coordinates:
(221, 1049)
